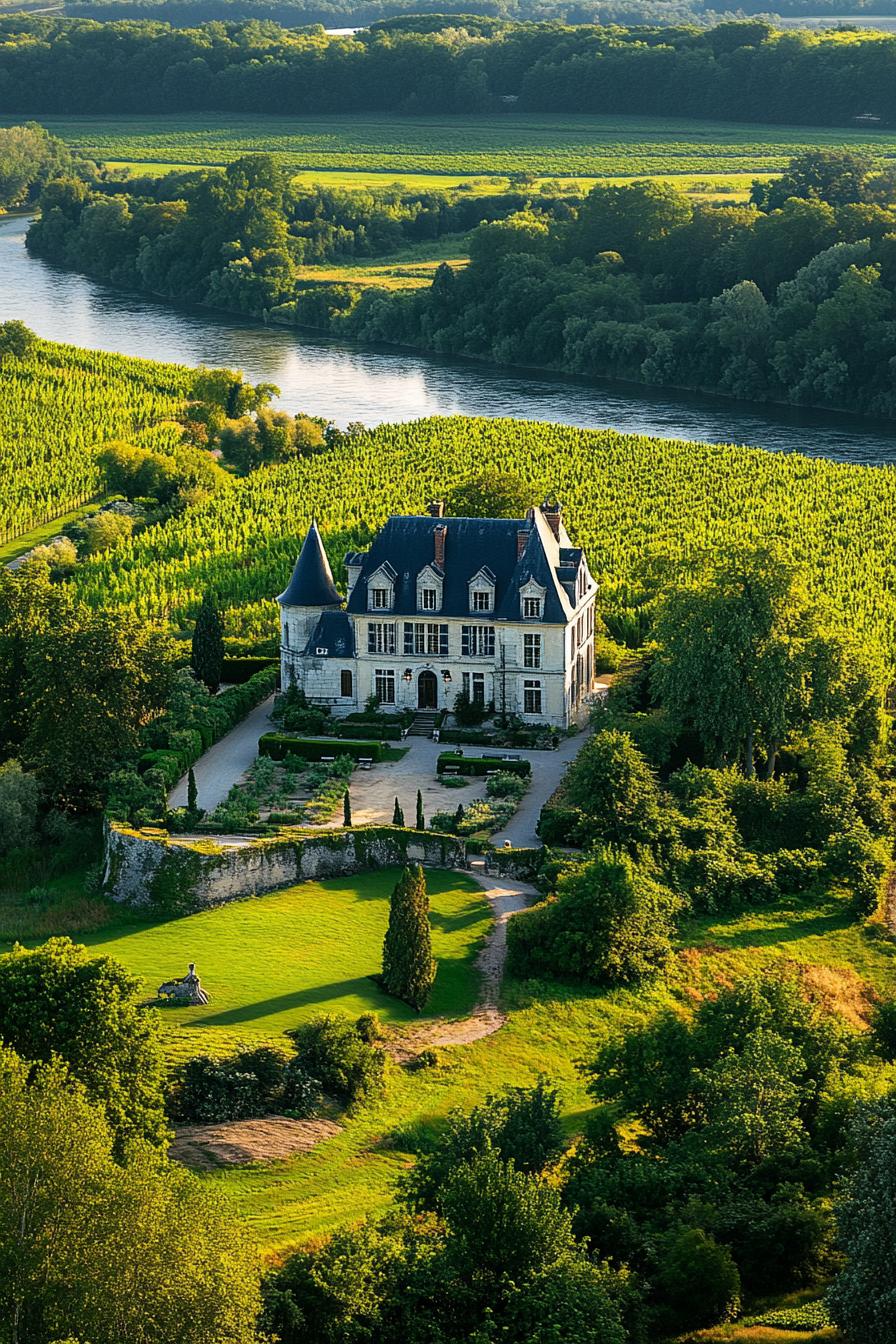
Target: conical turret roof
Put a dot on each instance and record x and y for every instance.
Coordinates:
(312, 583)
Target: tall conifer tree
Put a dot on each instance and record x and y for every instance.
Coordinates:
(207, 652)
(408, 966)
(421, 820)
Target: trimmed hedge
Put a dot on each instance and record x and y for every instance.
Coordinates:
(223, 713)
(236, 671)
(480, 765)
(369, 730)
(281, 745)
(531, 738)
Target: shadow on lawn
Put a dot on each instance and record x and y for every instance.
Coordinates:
(781, 931)
(248, 1012)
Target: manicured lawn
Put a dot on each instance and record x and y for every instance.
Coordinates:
(276, 960)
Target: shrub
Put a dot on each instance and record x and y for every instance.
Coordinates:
(506, 785)
(332, 1050)
(560, 824)
(883, 1030)
(859, 861)
(696, 1280)
(610, 923)
(521, 1124)
(205, 1090)
(301, 1095)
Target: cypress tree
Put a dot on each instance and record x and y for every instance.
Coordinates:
(408, 966)
(421, 820)
(192, 793)
(207, 650)
(397, 814)
(346, 809)
(459, 815)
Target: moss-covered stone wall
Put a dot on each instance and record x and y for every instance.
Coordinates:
(160, 872)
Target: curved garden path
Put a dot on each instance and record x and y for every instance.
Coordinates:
(506, 899)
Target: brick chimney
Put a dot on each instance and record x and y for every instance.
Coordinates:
(522, 538)
(552, 513)
(436, 508)
(439, 537)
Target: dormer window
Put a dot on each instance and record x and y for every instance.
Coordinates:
(381, 589)
(531, 608)
(379, 599)
(430, 582)
(482, 591)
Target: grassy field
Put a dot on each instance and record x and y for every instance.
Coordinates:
(270, 962)
(459, 147)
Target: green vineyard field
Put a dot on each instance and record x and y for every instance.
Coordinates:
(57, 407)
(546, 145)
(628, 499)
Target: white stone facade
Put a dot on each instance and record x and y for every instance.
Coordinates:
(427, 620)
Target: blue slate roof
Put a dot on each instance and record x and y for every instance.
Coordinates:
(334, 632)
(406, 544)
(312, 583)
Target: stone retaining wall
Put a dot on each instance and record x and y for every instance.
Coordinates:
(157, 871)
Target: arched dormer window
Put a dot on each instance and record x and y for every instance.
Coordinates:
(482, 591)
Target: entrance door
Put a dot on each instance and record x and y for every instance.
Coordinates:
(427, 690)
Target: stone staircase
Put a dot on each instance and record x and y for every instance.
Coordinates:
(424, 724)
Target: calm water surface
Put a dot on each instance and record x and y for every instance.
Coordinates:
(343, 382)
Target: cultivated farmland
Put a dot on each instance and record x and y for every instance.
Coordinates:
(461, 146)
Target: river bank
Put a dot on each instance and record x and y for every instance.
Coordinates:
(352, 383)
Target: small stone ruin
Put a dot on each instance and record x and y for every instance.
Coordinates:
(188, 990)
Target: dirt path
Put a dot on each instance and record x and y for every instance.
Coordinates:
(506, 899)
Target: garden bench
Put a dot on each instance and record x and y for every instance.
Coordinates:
(327, 758)
(365, 762)
(451, 770)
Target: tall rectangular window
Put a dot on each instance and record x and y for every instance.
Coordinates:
(482, 600)
(478, 694)
(345, 684)
(380, 637)
(531, 650)
(532, 697)
(384, 685)
(477, 641)
(426, 639)
(428, 599)
(532, 608)
(379, 599)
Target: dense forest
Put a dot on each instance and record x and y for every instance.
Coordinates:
(791, 298)
(737, 71)
(354, 13)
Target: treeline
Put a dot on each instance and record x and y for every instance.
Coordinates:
(486, 15)
(791, 298)
(792, 303)
(235, 239)
(29, 158)
(745, 71)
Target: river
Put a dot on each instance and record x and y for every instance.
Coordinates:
(344, 382)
